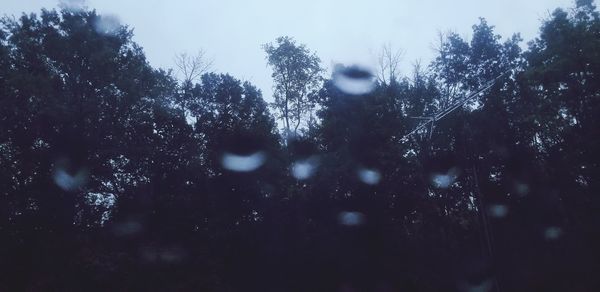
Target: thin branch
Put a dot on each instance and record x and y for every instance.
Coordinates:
(389, 61)
(192, 67)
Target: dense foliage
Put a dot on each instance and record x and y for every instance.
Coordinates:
(114, 176)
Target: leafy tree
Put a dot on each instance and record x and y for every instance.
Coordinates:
(296, 74)
(114, 175)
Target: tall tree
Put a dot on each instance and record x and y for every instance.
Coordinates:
(190, 68)
(388, 62)
(296, 74)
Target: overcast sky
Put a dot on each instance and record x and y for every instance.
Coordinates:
(232, 31)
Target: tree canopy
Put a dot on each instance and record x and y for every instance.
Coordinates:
(296, 74)
(115, 176)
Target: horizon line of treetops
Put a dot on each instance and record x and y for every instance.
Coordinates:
(116, 176)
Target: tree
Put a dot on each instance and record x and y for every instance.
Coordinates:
(388, 61)
(104, 182)
(191, 68)
(296, 74)
(461, 66)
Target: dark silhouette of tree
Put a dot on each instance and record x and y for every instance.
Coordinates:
(388, 61)
(296, 74)
(190, 68)
(115, 176)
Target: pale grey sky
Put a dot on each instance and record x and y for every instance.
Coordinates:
(348, 31)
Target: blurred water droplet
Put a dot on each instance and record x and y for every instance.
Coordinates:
(552, 233)
(70, 182)
(484, 286)
(351, 218)
(107, 24)
(127, 228)
(522, 189)
(168, 255)
(243, 163)
(369, 176)
(353, 80)
(442, 180)
(304, 169)
(445, 180)
(72, 5)
(498, 211)
(172, 255)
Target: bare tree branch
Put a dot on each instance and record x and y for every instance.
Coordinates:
(389, 61)
(192, 67)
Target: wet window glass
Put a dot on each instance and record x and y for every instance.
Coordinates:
(338, 146)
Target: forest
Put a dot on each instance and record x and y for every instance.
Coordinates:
(474, 173)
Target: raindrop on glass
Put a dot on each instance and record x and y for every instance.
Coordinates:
(552, 233)
(522, 189)
(72, 5)
(351, 218)
(369, 176)
(70, 181)
(107, 24)
(498, 211)
(483, 286)
(243, 163)
(353, 80)
(304, 169)
(172, 255)
(127, 228)
(445, 180)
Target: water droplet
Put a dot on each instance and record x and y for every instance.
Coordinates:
(484, 286)
(498, 211)
(351, 218)
(369, 176)
(70, 181)
(172, 255)
(445, 180)
(353, 80)
(304, 169)
(442, 181)
(107, 24)
(552, 233)
(522, 189)
(243, 163)
(127, 228)
(72, 5)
